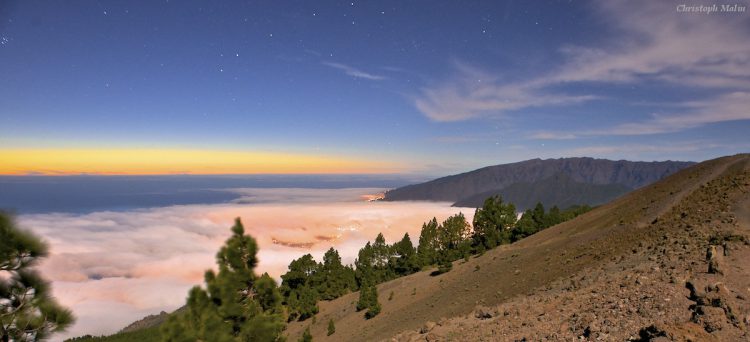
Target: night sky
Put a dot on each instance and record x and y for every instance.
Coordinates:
(426, 87)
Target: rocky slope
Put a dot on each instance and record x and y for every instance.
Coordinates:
(669, 261)
(630, 175)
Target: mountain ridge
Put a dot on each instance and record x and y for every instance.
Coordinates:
(458, 187)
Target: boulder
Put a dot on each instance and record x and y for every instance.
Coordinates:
(427, 327)
(482, 312)
(710, 317)
(714, 261)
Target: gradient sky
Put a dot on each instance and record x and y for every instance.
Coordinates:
(427, 87)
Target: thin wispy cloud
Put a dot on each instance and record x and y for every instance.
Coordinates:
(655, 151)
(354, 72)
(636, 149)
(658, 43)
(654, 44)
(544, 135)
(475, 93)
(728, 107)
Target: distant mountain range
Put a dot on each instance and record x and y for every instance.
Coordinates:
(562, 182)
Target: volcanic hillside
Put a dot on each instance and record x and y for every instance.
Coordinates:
(560, 182)
(670, 260)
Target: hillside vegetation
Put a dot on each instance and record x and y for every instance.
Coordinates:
(634, 267)
(147, 334)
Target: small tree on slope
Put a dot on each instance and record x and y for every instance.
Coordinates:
(368, 299)
(237, 305)
(331, 327)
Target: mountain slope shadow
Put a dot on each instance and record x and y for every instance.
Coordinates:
(559, 190)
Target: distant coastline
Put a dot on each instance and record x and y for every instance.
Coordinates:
(86, 193)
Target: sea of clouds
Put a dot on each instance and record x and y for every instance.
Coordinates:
(114, 267)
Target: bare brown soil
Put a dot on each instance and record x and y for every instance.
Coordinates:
(636, 268)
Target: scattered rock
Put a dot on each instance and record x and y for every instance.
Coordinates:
(432, 337)
(714, 261)
(710, 317)
(651, 333)
(484, 312)
(427, 327)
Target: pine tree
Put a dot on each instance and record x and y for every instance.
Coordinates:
(300, 273)
(381, 252)
(331, 327)
(428, 243)
(381, 256)
(299, 287)
(574, 211)
(306, 336)
(368, 299)
(364, 296)
(538, 215)
(365, 267)
(525, 226)
(237, 305)
(492, 223)
(553, 217)
(405, 260)
(268, 295)
(373, 310)
(453, 231)
(444, 265)
(27, 311)
(333, 277)
(350, 277)
(373, 305)
(307, 303)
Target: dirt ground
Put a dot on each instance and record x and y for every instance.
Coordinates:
(669, 261)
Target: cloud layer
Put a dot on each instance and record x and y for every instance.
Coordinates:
(113, 268)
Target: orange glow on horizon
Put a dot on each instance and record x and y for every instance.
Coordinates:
(177, 161)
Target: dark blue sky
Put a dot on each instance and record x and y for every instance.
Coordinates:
(434, 86)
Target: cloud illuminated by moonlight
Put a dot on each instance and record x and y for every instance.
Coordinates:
(112, 268)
